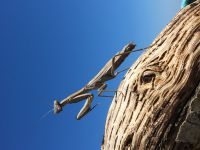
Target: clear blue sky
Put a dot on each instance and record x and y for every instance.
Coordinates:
(50, 49)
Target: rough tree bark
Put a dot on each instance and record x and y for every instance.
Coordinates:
(160, 108)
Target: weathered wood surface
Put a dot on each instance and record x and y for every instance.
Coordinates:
(158, 111)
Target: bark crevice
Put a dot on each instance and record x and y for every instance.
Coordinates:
(161, 113)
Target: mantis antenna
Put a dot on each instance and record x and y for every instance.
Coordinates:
(48, 112)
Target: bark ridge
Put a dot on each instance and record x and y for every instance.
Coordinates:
(158, 106)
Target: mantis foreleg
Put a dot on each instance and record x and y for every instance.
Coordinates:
(86, 108)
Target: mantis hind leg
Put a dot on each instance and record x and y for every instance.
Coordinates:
(86, 108)
(118, 72)
(102, 89)
(114, 67)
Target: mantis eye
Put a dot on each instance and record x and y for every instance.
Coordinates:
(148, 76)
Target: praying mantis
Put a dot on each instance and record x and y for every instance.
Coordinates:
(97, 83)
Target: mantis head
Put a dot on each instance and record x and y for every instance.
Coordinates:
(57, 107)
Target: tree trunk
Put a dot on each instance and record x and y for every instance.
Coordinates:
(160, 104)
